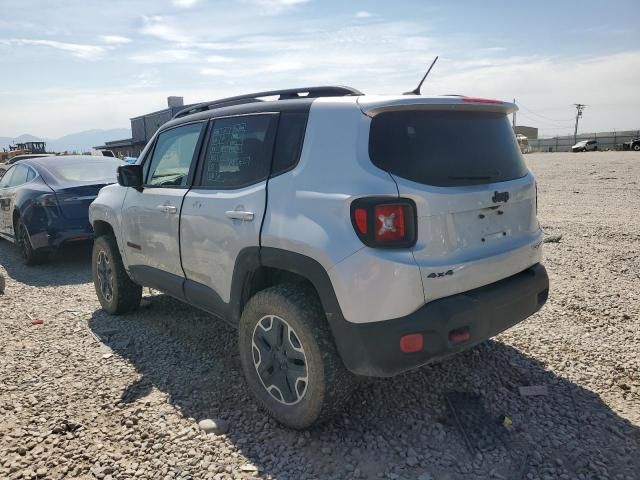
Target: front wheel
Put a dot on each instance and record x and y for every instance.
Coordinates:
(636, 147)
(289, 358)
(116, 291)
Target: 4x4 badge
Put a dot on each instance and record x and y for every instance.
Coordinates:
(440, 274)
(500, 197)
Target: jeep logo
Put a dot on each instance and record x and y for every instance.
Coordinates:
(500, 197)
(440, 274)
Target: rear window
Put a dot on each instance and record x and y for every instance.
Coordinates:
(446, 148)
(83, 170)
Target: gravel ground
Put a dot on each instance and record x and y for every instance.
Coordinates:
(86, 395)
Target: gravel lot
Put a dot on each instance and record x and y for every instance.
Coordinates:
(86, 395)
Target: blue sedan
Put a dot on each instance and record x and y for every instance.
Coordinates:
(44, 202)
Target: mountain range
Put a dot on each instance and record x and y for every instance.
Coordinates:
(78, 142)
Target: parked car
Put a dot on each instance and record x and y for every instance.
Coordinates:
(632, 145)
(343, 235)
(44, 202)
(585, 146)
(5, 166)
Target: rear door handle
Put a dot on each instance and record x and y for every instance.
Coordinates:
(168, 208)
(239, 215)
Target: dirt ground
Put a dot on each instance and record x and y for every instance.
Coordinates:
(87, 395)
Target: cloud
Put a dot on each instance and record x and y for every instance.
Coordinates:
(184, 3)
(163, 56)
(159, 27)
(363, 14)
(282, 66)
(114, 39)
(213, 72)
(274, 7)
(86, 52)
(218, 59)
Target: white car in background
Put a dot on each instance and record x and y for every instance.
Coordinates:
(585, 146)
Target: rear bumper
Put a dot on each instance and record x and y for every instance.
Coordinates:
(55, 235)
(372, 349)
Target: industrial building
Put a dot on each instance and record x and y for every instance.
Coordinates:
(142, 129)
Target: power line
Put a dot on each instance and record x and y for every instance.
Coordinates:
(542, 116)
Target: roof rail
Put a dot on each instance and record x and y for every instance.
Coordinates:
(286, 94)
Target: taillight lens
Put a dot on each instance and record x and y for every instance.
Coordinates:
(384, 222)
(389, 221)
(48, 200)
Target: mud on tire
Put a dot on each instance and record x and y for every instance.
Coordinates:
(306, 346)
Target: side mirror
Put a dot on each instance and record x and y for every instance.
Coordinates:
(130, 176)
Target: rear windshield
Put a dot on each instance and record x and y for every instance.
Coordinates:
(446, 148)
(102, 170)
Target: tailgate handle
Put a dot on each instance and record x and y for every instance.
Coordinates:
(239, 215)
(500, 197)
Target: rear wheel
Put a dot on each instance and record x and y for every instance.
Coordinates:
(30, 256)
(289, 358)
(636, 147)
(116, 292)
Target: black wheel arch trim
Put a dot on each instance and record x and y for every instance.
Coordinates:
(251, 258)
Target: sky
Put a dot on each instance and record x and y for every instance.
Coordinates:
(73, 65)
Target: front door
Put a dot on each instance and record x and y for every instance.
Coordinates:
(222, 213)
(151, 216)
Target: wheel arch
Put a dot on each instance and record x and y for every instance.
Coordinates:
(258, 268)
(100, 227)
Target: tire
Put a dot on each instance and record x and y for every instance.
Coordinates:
(116, 292)
(636, 147)
(30, 256)
(307, 352)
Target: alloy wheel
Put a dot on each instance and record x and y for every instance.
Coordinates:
(25, 245)
(105, 276)
(280, 360)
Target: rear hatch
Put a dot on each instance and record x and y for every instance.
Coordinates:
(76, 182)
(459, 161)
(74, 201)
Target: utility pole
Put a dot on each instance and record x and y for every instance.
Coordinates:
(514, 116)
(579, 108)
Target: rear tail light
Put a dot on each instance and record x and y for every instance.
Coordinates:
(48, 200)
(384, 222)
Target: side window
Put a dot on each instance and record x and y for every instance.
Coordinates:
(291, 129)
(31, 174)
(172, 156)
(6, 179)
(239, 151)
(19, 176)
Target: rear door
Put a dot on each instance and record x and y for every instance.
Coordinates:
(151, 216)
(222, 213)
(475, 198)
(6, 226)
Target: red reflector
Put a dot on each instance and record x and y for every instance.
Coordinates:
(389, 221)
(414, 342)
(459, 335)
(360, 215)
(480, 100)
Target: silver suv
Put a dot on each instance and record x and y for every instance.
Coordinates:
(344, 235)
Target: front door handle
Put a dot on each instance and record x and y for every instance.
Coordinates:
(239, 215)
(168, 208)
